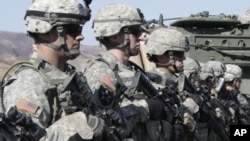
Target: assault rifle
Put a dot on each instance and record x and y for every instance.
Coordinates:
(113, 130)
(141, 83)
(16, 126)
(208, 107)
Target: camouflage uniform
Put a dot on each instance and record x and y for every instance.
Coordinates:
(98, 72)
(167, 41)
(38, 90)
(233, 80)
(105, 72)
(212, 73)
(29, 87)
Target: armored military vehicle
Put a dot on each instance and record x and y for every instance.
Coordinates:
(218, 37)
(213, 37)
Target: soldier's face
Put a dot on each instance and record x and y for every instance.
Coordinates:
(134, 37)
(73, 36)
(179, 57)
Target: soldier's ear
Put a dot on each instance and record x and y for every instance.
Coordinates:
(48, 37)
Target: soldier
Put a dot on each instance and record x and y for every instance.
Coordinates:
(233, 81)
(192, 70)
(212, 83)
(45, 89)
(166, 47)
(118, 28)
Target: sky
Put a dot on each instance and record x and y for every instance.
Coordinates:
(13, 11)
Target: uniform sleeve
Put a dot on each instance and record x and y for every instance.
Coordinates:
(133, 111)
(27, 93)
(69, 128)
(102, 82)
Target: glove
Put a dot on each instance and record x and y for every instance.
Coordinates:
(97, 124)
(188, 122)
(220, 115)
(156, 109)
(114, 116)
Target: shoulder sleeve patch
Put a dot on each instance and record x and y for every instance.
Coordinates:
(107, 81)
(27, 106)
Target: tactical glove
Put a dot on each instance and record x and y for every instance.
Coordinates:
(220, 115)
(188, 122)
(97, 124)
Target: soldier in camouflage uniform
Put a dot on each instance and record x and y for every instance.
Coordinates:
(233, 81)
(212, 83)
(192, 70)
(118, 28)
(45, 89)
(166, 47)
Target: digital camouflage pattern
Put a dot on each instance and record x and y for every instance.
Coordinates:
(96, 70)
(191, 66)
(44, 24)
(165, 39)
(232, 72)
(212, 69)
(30, 86)
(112, 18)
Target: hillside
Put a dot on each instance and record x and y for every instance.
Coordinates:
(18, 46)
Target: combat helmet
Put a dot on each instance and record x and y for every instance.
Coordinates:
(213, 69)
(192, 68)
(115, 18)
(232, 72)
(43, 15)
(166, 39)
(112, 18)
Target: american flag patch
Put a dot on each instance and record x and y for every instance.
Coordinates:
(27, 106)
(107, 81)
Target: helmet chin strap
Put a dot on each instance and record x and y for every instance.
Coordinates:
(71, 54)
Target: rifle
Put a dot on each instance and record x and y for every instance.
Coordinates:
(16, 126)
(141, 83)
(113, 131)
(209, 106)
(185, 85)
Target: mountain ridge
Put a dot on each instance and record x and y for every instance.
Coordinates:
(16, 46)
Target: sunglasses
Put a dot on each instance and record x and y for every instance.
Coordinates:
(72, 29)
(178, 53)
(135, 30)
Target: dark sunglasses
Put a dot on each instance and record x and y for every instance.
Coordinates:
(135, 30)
(72, 29)
(178, 53)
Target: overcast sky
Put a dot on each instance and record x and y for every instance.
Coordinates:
(12, 11)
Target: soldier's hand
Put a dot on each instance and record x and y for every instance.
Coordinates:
(114, 116)
(189, 122)
(97, 124)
